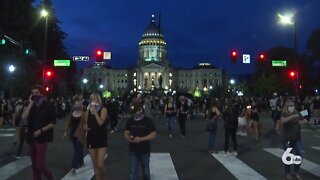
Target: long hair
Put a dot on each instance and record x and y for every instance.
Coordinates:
(97, 96)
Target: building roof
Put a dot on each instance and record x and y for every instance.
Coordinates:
(153, 30)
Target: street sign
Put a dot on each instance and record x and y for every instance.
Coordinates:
(279, 63)
(61, 63)
(81, 58)
(246, 58)
(106, 55)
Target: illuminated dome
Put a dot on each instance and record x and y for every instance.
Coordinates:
(152, 34)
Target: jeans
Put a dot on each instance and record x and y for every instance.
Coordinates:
(38, 153)
(212, 139)
(143, 159)
(171, 122)
(297, 148)
(77, 160)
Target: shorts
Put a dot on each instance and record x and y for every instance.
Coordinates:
(97, 138)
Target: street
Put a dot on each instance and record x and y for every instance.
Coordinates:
(173, 158)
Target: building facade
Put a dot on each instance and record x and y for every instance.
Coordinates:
(153, 70)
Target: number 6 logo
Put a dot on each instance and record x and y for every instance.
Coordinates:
(292, 158)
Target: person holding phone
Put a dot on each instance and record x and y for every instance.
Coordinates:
(97, 134)
(41, 116)
(291, 121)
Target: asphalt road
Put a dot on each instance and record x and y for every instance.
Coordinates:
(189, 156)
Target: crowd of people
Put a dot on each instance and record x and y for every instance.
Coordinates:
(87, 121)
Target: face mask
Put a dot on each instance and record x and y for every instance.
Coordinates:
(77, 108)
(291, 109)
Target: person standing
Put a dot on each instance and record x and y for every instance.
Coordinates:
(139, 131)
(76, 134)
(114, 115)
(213, 115)
(170, 113)
(183, 110)
(41, 117)
(291, 134)
(230, 117)
(97, 134)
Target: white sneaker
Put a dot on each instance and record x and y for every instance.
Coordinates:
(235, 153)
(112, 131)
(170, 135)
(239, 133)
(226, 154)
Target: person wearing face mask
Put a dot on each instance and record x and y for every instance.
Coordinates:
(139, 131)
(76, 134)
(41, 117)
(97, 134)
(291, 134)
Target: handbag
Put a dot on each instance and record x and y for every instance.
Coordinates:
(211, 125)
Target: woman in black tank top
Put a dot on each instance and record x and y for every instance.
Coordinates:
(96, 127)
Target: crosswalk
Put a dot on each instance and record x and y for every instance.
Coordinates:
(162, 166)
(7, 132)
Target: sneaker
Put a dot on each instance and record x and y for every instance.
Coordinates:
(170, 135)
(16, 156)
(235, 153)
(239, 133)
(226, 154)
(112, 131)
(74, 171)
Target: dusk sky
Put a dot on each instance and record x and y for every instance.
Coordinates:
(195, 31)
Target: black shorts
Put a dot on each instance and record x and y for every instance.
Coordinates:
(97, 138)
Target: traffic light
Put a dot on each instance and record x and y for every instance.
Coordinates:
(3, 41)
(26, 52)
(292, 74)
(99, 55)
(47, 89)
(261, 57)
(234, 56)
(49, 74)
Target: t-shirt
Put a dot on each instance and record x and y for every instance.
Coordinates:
(291, 129)
(140, 128)
(40, 117)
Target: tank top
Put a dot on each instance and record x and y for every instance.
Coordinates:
(93, 123)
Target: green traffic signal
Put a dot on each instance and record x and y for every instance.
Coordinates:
(3, 41)
(26, 52)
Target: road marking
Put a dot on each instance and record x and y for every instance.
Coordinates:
(14, 167)
(237, 168)
(8, 129)
(317, 136)
(161, 167)
(83, 173)
(306, 165)
(317, 148)
(7, 135)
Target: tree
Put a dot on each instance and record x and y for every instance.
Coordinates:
(313, 44)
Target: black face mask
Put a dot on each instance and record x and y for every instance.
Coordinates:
(36, 98)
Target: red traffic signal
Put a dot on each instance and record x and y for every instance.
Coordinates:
(47, 89)
(234, 56)
(99, 55)
(49, 73)
(262, 57)
(292, 74)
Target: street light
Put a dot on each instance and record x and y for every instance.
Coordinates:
(232, 81)
(11, 69)
(290, 19)
(44, 13)
(85, 81)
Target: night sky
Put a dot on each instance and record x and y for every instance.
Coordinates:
(195, 31)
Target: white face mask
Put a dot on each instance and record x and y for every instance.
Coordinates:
(291, 109)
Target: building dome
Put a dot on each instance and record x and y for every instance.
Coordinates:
(153, 31)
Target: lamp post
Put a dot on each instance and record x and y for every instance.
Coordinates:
(290, 19)
(44, 14)
(84, 82)
(11, 69)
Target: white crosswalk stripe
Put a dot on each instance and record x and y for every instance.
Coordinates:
(317, 148)
(83, 173)
(161, 167)
(237, 168)
(14, 167)
(7, 132)
(306, 165)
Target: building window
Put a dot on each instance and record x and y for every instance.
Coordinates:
(121, 81)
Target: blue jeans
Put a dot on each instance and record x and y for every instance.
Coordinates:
(171, 122)
(297, 148)
(77, 160)
(212, 139)
(143, 158)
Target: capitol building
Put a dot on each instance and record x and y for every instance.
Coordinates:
(153, 70)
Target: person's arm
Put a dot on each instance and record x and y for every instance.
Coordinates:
(148, 137)
(216, 110)
(289, 118)
(303, 121)
(68, 123)
(85, 121)
(165, 108)
(26, 112)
